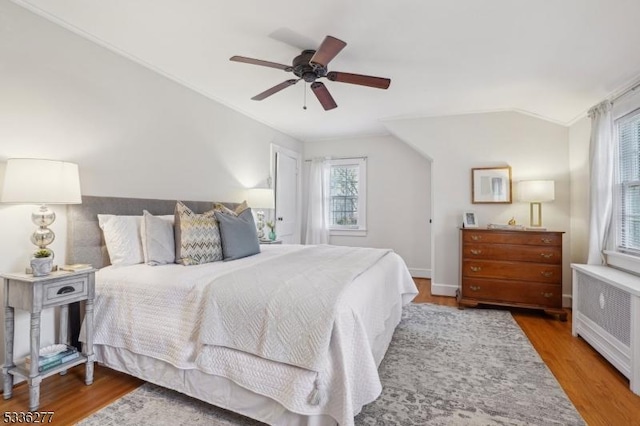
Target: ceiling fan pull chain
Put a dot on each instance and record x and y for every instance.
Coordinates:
(304, 106)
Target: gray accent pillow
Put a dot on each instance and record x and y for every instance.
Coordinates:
(158, 242)
(238, 234)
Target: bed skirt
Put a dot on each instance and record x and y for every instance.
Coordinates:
(222, 392)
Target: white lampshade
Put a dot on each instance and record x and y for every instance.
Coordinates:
(537, 191)
(261, 198)
(36, 181)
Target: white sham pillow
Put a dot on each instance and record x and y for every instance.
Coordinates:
(122, 237)
(158, 242)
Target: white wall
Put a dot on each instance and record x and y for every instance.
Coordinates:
(398, 196)
(133, 132)
(534, 148)
(579, 135)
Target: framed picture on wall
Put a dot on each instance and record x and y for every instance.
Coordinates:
(469, 220)
(491, 185)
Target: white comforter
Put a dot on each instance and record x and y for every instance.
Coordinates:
(157, 312)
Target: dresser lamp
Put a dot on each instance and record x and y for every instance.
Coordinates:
(260, 199)
(42, 182)
(536, 192)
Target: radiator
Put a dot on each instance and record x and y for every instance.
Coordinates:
(606, 313)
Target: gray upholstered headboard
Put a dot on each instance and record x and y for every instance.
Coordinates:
(85, 242)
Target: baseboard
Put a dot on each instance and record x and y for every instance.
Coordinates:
(443, 289)
(420, 272)
(567, 300)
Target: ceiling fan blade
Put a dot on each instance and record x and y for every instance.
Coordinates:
(261, 62)
(362, 80)
(323, 95)
(275, 89)
(328, 50)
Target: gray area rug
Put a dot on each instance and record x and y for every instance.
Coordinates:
(444, 367)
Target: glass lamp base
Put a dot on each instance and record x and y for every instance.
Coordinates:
(43, 217)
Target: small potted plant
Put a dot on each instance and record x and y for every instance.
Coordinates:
(272, 230)
(42, 263)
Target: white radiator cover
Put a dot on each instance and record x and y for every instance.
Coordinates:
(606, 313)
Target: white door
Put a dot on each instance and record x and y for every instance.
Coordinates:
(287, 194)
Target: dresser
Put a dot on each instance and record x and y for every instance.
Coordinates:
(511, 268)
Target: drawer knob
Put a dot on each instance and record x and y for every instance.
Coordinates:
(476, 268)
(547, 295)
(474, 287)
(476, 251)
(546, 255)
(546, 273)
(546, 240)
(476, 237)
(66, 289)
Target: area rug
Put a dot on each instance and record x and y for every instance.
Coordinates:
(444, 367)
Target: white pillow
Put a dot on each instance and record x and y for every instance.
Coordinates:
(122, 236)
(158, 242)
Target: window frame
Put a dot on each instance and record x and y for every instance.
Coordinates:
(361, 228)
(620, 215)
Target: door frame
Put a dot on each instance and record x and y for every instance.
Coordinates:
(275, 148)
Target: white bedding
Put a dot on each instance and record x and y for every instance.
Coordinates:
(156, 312)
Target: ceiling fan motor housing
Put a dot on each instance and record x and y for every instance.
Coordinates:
(303, 68)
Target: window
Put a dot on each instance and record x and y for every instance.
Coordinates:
(347, 195)
(628, 182)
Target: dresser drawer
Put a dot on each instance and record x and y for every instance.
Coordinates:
(552, 254)
(536, 272)
(520, 292)
(519, 237)
(66, 291)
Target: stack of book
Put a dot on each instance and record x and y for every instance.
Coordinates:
(53, 356)
(77, 267)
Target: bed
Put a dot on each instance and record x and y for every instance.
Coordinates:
(157, 322)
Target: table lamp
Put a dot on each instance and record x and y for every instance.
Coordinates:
(37, 181)
(536, 192)
(259, 199)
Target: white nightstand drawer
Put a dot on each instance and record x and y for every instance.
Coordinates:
(65, 291)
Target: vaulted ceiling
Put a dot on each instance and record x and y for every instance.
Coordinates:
(553, 59)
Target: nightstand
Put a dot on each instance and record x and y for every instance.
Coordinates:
(270, 241)
(33, 294)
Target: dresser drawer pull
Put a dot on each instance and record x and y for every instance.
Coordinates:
(546, 273)
(474, 287)
(547, 295)
(546, 240)
(476, 237)
(476, 251)
(476, 268)
(66, 289)
(546, 255)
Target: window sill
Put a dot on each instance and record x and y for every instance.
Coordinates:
(623, 261)
(348, 232)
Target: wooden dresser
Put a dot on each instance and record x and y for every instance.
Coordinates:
(511, 268)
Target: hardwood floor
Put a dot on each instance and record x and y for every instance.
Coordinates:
(600, 393)
(69, 398)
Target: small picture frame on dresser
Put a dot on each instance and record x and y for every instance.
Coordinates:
(469, 220)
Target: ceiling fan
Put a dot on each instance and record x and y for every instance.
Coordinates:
(311, 65)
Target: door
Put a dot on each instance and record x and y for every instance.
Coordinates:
(287, 195)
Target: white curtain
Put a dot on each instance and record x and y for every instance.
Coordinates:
(601, 160)
(317, 216)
